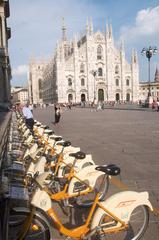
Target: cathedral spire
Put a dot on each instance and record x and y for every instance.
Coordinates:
(91, 27)
(87, 27)
(110, 31)
(122, 45)
(107, 30)
(122, 48)
(64, 35)
(134, 57)
(156, 79)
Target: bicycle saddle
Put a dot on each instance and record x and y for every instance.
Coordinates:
(78, 155)
(56, 138)
(49, 131)
(110, 169)
(64, 144)
(45, 127)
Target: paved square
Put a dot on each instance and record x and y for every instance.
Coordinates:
(127, 138)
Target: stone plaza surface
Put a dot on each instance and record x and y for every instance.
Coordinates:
(127, 138)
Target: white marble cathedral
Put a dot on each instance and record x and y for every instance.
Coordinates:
(92, 68)
(88, 69)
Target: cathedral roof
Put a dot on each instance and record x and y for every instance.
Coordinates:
(156, 79)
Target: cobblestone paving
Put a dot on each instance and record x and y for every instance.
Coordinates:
(129, 139)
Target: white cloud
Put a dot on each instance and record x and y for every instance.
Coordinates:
(20, 70)
(145, 26)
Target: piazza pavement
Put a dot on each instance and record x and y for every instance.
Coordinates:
(126, 137)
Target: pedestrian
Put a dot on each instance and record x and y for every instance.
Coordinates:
(57, 114)
(157, 105)
(28, 115)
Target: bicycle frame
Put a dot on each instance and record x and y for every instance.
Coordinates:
(114, 210)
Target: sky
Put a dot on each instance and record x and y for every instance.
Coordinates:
(36, 28)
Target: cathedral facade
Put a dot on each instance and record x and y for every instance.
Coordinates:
(86, 69)
(93, 68)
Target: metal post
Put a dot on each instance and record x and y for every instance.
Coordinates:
(149, 91)
(149, 52)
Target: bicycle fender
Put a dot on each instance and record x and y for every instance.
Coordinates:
(88, 174)
(121, 205)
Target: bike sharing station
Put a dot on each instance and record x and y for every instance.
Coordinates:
(45, 171)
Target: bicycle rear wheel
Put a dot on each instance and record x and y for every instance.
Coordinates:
(39, 229)
(136, 227)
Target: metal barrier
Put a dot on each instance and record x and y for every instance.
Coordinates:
(4, 130)
(4, 133)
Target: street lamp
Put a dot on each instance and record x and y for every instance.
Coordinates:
(149, 52)
(94, 73)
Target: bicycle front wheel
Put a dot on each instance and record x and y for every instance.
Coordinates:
(136, 227)
(39, 229)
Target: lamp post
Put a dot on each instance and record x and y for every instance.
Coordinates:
(94, 73)
(149, 52)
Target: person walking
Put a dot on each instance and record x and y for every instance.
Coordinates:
(57, 114)
(157, 105)
(28, 115)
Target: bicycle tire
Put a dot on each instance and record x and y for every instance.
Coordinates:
(137, 226)
(87, 200)
(16, 222)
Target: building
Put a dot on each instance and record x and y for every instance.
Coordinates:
(35, 81)
(19, 95)
(5, 69)
(152, 86)
(49, 82)
(89, 68)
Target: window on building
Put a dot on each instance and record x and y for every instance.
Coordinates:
(69, 82)
(127, 82)
(99, 52)
(117, 97)
(70, 97)
(82, 68)
(100, 72)
(82, 82)
(117, 82)
(116, 69)
(40, 83)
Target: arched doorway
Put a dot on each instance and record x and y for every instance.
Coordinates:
(117, 97)
(100, 95)
(83, 97)
(128, 97)
(70, 97)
